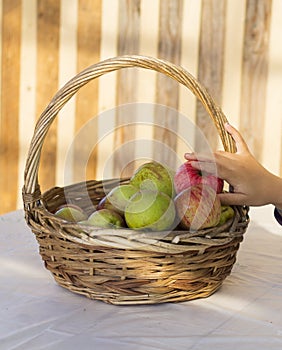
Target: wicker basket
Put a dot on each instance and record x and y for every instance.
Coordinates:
(124, 266)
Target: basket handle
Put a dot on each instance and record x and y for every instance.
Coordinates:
(31, 189)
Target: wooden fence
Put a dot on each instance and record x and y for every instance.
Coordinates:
(232, 46)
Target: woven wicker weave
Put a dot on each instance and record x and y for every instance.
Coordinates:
(124, 266)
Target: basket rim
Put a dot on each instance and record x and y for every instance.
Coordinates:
(172, 241)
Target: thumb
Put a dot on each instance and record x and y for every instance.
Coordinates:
(229, 198)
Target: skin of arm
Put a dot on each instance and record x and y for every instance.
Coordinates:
(253, 185)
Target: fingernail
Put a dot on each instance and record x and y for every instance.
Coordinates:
(227, 126)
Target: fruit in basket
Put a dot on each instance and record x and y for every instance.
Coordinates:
(155, 177)
(105, 218)
(187, 176)
(227, 213)
(71, 212)
(150, 210)
(198, 207)
(117, 198)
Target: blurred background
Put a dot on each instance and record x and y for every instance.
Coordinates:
(233, 47)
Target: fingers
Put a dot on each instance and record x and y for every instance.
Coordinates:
(240, 142)
(205, 163)
(225, 165)
(198, 157)
(205, 167)
(190, 156)
(220, 163)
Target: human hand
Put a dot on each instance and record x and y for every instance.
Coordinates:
(252, 184)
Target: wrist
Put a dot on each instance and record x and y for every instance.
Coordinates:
(276, 189)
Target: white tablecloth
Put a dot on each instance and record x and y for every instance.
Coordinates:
(245, 314)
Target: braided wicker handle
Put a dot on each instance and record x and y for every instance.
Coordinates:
(31, 190)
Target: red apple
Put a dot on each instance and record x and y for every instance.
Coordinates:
(187, 176)
(198, 207)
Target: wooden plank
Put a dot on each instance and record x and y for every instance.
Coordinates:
(88, 52)
(48, 28)
(67, 69)
(107, 89)
(1, 48)
(211, 64)
(272, 146)
(128, 43)
(148, 45)
(189, 60)
(255, 73)
(189, 53)
(167, 90)
(9, 147)
(27, 86)
(233, 53)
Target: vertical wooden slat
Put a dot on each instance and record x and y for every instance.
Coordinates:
(88, 52)
(189, 60)
(272, 147)
(148, 45)
(231, 92)
(27, 85)
(254, 73)
(211, 63)
(167, 90)
(1, 26)
(128, 43)
(67, 69)
(48, 28)
(107, 89)
(9, 147)
(189, 52)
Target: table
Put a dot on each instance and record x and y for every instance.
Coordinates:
(245, 314)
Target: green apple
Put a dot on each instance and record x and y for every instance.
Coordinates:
(227, 213)
(155, 177)
(150, 210)
(117, 198)
(71, 212)
(105, 218)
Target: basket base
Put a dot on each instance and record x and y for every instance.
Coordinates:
(142, 299)
(129, 277)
